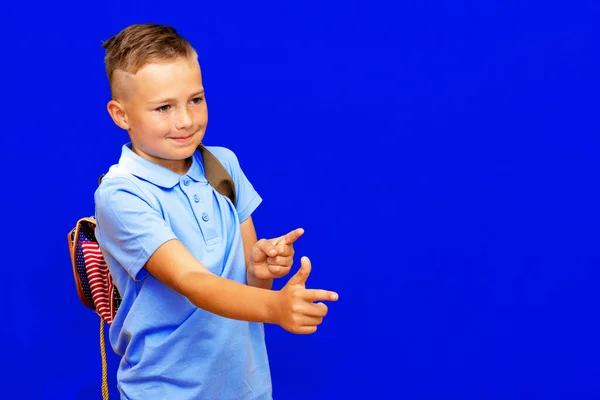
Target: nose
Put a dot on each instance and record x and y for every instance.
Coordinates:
(184, 121)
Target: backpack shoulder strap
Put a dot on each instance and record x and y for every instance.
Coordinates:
(217, 175)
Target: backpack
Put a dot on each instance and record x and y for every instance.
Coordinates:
(93, 281)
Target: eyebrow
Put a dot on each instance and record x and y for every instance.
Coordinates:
(171, 100)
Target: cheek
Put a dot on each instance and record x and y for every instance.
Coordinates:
(157, 125)
(201, 116)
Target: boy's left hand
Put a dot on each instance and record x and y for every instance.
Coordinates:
(273, 258)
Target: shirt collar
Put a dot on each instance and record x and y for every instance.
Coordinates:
(156, 174)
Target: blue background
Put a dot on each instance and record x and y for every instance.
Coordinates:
(441, 156)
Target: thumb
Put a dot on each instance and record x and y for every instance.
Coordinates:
(302, 275)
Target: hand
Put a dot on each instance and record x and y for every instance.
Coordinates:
(273, 258)
(295, 310)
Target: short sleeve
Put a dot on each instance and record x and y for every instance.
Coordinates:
(128, 227)
(247, 198)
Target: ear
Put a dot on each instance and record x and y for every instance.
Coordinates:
(118, 114)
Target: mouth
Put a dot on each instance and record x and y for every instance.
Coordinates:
(182, 139)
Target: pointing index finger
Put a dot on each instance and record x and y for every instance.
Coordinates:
(321, 295)
(292, 236)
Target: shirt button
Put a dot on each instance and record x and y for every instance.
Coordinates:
(186, 182)
(204, 217)
(196, 198)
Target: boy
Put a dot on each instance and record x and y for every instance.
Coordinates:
(195, 281)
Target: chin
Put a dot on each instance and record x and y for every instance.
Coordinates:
(182, 154)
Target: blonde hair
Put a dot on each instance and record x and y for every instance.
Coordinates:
(140, 44)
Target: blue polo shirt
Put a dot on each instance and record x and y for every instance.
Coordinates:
(170, 348)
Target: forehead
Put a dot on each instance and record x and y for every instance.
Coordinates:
(158, 79)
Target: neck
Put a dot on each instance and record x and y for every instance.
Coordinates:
(180, 167)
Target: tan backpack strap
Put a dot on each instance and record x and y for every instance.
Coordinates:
(104, 363)
(217, 175)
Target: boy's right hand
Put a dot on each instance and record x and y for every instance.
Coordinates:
(295, 310)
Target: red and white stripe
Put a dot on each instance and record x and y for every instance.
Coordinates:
(99, 279)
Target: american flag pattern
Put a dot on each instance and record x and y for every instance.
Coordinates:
(96, 281)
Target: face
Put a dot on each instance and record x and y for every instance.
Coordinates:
(164, 111)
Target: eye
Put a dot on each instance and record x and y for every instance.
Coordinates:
(164, 108)
(197, 100)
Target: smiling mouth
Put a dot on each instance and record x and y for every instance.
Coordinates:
(182, 139)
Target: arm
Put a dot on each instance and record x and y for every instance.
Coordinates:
(176, 267)
(250, 239)
(292, 307)
(264, 259)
